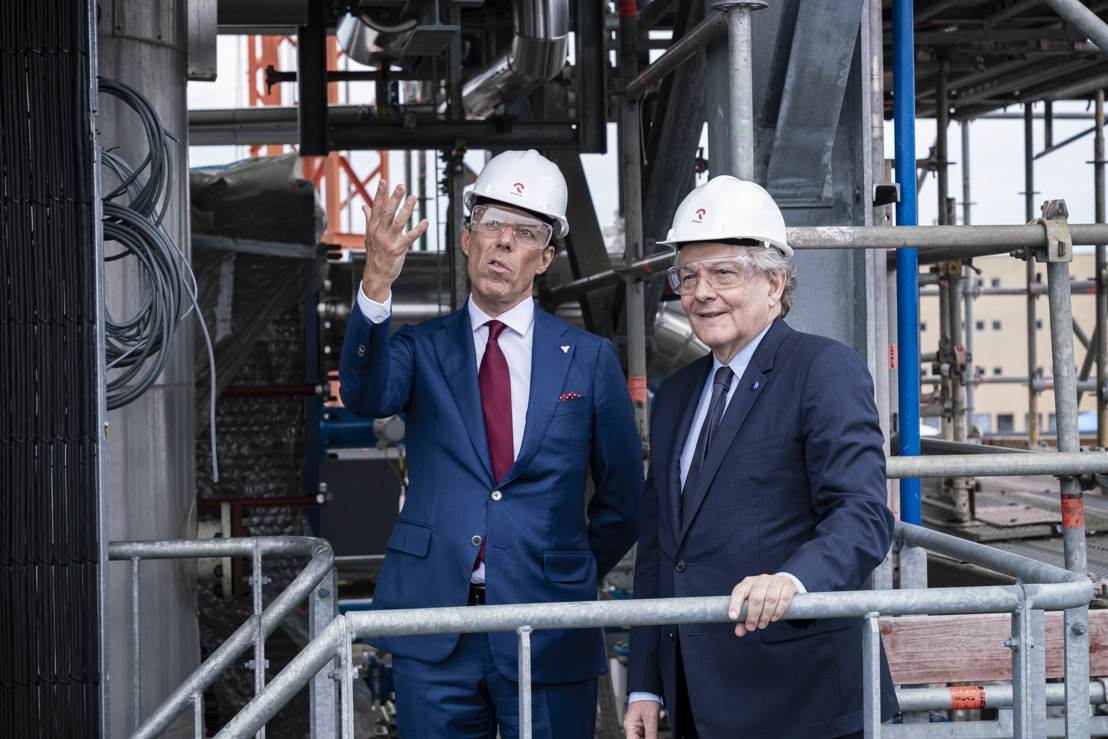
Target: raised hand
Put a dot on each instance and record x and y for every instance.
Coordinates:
(386, 243)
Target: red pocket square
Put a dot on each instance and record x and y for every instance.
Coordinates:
(568, 396)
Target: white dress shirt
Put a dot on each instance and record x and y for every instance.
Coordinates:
(738, 365)
(515, 341)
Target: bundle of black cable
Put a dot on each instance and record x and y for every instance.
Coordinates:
(137, 345)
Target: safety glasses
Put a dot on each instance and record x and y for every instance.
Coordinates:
(719, 273)
(490, 220)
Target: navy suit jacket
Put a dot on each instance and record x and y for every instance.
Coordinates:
(540, 547)
(793, 481)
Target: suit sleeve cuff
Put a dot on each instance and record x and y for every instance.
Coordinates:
(799, 585)
(642, 695)
(371, 309)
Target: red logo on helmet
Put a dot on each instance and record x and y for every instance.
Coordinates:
(700, 213)
(519, 188)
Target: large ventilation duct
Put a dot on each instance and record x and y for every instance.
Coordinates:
(537, 54)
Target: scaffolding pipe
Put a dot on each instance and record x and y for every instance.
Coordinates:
(630, 136)
(741, 87)
(678, 52)
(1077, 287)
(954, 242)
(1029, 209)
(1072, 502)
(1084, 20)
(993, 696)
(1057, 464)
(907, 309)
(1101, 327)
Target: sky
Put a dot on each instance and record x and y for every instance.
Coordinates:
(996, 155)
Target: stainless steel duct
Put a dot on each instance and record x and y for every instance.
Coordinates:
(537, 54)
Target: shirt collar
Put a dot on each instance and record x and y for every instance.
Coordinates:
(739, 362)
(519, 319)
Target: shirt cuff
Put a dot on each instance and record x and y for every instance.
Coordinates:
(642, 695)
(799, 585)
(373, 311)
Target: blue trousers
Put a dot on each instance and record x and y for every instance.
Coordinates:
(467, 697)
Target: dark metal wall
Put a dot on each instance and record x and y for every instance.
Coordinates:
(49, 529)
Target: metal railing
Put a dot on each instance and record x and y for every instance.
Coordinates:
(316, 579)
(1039, 587)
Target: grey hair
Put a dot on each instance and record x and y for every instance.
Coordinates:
(769, 260)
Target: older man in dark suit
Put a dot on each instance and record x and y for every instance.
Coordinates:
(767, 469)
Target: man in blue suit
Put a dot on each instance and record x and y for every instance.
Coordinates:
(766, 469)
(509, 410)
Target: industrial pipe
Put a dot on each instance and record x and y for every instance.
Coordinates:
(537, 54)
(678, 52)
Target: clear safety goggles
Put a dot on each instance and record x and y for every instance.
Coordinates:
(492, 221)
(720, 273)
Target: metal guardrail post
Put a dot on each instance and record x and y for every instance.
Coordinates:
(259, 635)
(198, 716)
(136, 644)
(871, 676)
(322, 609)
(1020, 644)
(524, 681)
(346, 667)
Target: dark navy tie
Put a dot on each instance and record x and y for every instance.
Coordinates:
(720, 387)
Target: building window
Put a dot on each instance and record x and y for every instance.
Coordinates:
(1052, 423)
(1039, 324)
(981, 371)
(996, 325)
(980, 282)
(922, 326)
(983, 421)
(997, 371)
(1027, 422)
(979, 325)
(995, 282)
(1005, 423)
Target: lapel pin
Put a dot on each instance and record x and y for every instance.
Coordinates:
(565, 350)
(754, 385)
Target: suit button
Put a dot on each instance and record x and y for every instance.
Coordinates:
(475, 541)
(679, 565)
(496, 495)
(361, 350)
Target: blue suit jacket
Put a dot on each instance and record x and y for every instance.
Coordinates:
(794, 481)
(539, 545)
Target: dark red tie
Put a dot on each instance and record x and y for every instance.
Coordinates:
(496, 403)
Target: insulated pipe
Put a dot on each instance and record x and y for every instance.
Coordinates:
(907, 307)
(537, 54)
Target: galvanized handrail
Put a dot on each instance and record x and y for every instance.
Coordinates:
(1041, 587)
(253, 631)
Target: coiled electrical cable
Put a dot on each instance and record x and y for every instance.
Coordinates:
(137, 346)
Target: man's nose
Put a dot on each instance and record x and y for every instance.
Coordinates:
(704, 291)
(507, 236)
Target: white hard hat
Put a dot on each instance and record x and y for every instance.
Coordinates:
(524, 179)
(728, 208)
